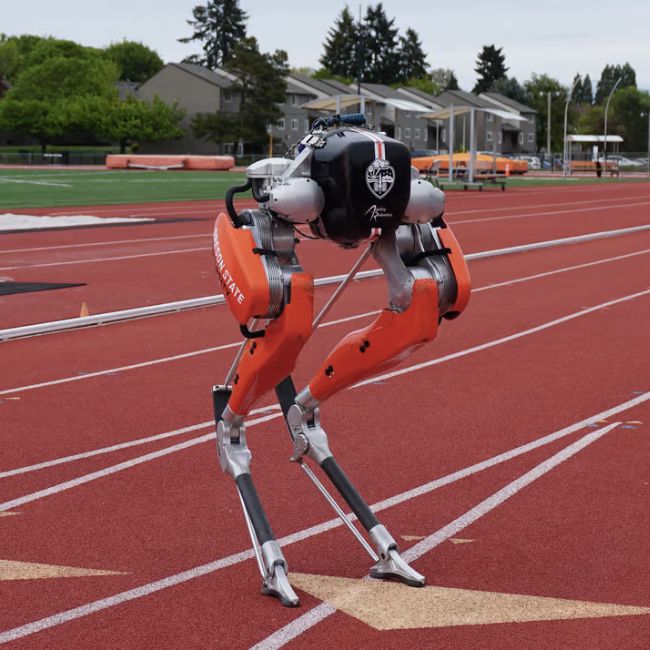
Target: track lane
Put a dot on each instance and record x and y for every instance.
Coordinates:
(79, 352)
(508, 382)
(187, 274)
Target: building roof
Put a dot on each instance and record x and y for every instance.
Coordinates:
(416, 93)
(338, 86)
(298, 88)
(509, 103)
(219, 78)
(382, 90)
(462, 98)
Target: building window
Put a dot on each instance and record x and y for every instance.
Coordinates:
(294, 124)
(500, 137)
(443, 135)
(521, 138)
(416, 133)
(227, 95)
(407, 113)
(306, 124)
(488, 136)
(399, 132)
(490, 117)
(281, 124)
(531, 138)
(407, 132)
(294, 100)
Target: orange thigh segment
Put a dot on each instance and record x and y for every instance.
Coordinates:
(459, 267)
(268, 360)
(381, 345)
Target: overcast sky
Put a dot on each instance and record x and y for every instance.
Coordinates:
(559, 37)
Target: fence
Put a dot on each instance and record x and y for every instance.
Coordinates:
(59, 158)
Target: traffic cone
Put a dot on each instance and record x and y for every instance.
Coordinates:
(84, 310)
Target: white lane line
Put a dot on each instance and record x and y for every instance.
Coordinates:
(103, 259)
(10, 251)
(211, 567)
(299, 626)
(125, 465)
(123, 445)
(153, 362)
(482, 210)
(113, 469)
(545, 214)
(505, 339)
(194, 353)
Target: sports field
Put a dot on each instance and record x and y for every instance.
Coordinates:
(24, 188)
(508, 458)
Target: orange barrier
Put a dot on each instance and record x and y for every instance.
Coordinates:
(484, 163)
(590, 166)
(138, 161)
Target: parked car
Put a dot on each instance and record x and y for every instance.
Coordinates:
(533, 161)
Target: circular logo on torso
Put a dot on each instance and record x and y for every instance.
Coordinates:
(380, 177)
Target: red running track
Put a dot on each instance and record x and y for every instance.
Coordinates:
(133, 266)
(579, 532)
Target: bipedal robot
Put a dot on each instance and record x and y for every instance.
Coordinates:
(349, 185)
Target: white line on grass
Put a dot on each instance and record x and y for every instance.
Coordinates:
(60, 487)
(319, 613)
(6, 179)
(193, 353)
(211, 567)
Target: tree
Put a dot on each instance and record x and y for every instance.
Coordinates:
(490, 67)
(261, 87)
(587, 95)
(136, 61)
(425, 84)
(444, 78)
(342, 47)
(537, 89)
(41, 103)
(126, 121)
(413, 64)
(380, 47)
(220, 25)
(629, 112)
(510, 87)
(608, 78)
(577, 88)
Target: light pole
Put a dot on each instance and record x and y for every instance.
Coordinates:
(548, 129)
(566, 116)
(618, 81)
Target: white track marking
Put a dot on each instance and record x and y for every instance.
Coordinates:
(153, 362)
(226, 346)
(127, 464)
(505, 339)
(211, 567)
(11, 251)
(547, 213)
(104, 259)
(123, 445)
(319, 613)
(482, 210)
(113, 469)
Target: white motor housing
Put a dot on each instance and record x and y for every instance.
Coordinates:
(299, 200)
(426, 203)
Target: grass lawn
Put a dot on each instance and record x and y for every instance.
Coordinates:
(24, 188)
(38, 188)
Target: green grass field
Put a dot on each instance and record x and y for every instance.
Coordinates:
(20, 188)
(38, 188)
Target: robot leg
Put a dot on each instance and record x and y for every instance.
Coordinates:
(410, 321)
(259, 288)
